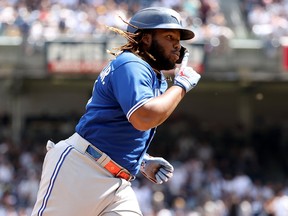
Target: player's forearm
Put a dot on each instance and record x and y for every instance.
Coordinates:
(157, 110)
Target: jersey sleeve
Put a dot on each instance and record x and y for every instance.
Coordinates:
(132, 85)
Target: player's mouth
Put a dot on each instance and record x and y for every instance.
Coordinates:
(175, 56)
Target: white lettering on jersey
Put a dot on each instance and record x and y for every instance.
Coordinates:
(104, 73)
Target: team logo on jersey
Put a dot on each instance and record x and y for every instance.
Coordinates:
(104, 73)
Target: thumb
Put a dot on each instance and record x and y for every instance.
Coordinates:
(176, 71)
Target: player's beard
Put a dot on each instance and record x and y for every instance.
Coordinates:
(161, 62)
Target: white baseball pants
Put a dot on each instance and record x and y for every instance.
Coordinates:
(73, 184)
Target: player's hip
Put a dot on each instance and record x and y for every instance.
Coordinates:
(70, 176)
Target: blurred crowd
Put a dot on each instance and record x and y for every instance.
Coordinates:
(49, 19)
(268, 21)
(38, 21)
(219, 170)
(267, 18)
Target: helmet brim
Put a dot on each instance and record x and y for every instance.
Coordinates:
(185, 34)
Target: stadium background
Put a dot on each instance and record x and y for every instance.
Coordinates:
(227, 139)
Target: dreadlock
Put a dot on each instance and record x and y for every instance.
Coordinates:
(134, 41)
(132, 44)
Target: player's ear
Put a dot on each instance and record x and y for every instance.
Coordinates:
(146, 39)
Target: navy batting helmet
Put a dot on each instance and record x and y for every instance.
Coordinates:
(158, 18)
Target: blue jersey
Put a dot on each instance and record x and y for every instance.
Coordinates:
(123, 86)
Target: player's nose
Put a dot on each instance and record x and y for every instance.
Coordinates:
(177, 46)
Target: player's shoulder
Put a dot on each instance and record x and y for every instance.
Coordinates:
(129, 58)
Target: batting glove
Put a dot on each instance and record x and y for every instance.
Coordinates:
(156, 169)
(186, 78)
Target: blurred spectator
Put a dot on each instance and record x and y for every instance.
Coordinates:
(278, 204)
(6, 170)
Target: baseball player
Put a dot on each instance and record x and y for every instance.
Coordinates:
(90, 173)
